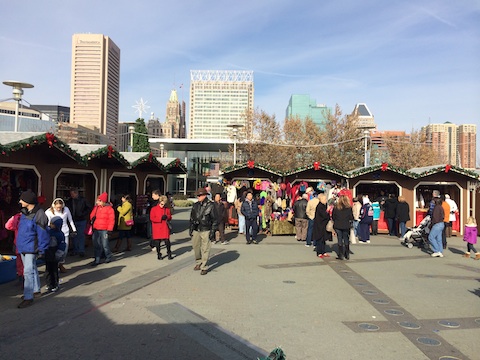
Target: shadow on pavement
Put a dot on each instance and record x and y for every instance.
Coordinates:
(222, 259)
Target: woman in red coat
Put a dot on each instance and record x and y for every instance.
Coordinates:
(160, 217)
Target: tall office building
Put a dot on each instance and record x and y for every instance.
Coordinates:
(365, 118)
(219, 98)
(95, 83)
(305, 107)
(456, 145)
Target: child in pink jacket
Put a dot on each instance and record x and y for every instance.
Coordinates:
(12, 224)
(470, 236)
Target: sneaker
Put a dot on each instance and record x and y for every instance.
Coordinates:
(307, 245)
(204, 272)
(362, 242)
(435, 254)
(320, 256)
(255, 241)
(440, 255)
(368, 241)
(326, 255)
(225, 243)
(55, 289)
(25, 303)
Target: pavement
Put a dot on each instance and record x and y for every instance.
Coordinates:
(386, 302)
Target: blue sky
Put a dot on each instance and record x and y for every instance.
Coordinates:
(411, 61)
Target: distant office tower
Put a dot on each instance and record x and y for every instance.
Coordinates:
(303, 106)
(467, 145)
(365, 118)
(219, 98)
(456, 145)
(95, 83)
(171, 126)
(56, 113)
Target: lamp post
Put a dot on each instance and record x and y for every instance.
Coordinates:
(131, 130)
(161, 150)
(366, 132)
(17, 96)
(235, 128)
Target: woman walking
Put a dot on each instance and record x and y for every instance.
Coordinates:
(160, 217)
(403, 215)
(435, 236)
(319, 232)
(342, 216)
(124, 226)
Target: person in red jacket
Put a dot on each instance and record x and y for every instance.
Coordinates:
(160, 217)
(102, 219)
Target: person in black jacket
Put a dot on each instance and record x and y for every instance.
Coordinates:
(342, 216)
(403, 215)
(221, 212)
(301, 219)
(250, 210)
(319, 233)
(390, 209)
(80, 211)
(203, 225)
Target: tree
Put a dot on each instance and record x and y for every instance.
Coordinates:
(140, 137)
(412, 152)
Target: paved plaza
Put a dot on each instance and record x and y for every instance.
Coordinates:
(386, 302)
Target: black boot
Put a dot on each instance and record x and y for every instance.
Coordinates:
(169, 250)
(159, 254)
(347, 252)
(340, 252)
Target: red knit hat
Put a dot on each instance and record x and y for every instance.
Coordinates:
(103, 197)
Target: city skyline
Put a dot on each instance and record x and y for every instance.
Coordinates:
(412, 64)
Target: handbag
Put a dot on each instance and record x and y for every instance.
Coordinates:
(129, 222)
(88, 229)
(329, 227)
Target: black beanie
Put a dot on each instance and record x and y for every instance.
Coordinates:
(29, 197)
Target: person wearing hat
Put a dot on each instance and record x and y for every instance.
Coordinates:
(102, 219)
(32, 240)
(203, 225)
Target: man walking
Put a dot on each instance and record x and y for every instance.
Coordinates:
(80, 210)
(250, 211)
(203, 225)
(32, 239)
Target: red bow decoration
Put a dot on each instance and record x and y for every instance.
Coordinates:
(447, 168)
(110, 150)
(150, 157)
(50, 139)
(250, 164)
(384, 166)
(316, 165)
(177, 162)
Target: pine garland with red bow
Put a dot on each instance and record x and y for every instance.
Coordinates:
(316, 165)
(50, 139)
(110, 151)
(447, 168)
(251, 164)
(384, 166)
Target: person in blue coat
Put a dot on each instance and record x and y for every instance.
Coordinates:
(376, 216)
(32, 240)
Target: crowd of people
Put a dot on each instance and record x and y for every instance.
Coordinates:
(318, 217)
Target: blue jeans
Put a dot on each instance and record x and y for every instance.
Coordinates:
(79, 240)
(392, 230)
(435, 237)
(100, 244)
(343, 236)
(241, 223)
(310, 232)
(31, 280)
(355, 226)
(403, 228)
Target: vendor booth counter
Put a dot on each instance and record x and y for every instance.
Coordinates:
(282, 227)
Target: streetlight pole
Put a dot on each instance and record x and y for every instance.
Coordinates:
(131, 129)
(17, 96)
(366, 133)
(235, 128)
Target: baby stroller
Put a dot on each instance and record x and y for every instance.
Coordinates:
(418, 236)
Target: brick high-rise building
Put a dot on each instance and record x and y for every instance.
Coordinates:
(95, 83)
(456, 145)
